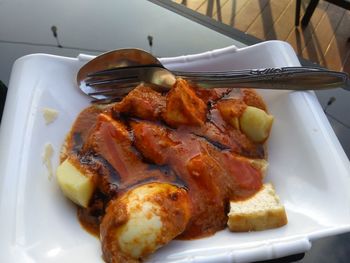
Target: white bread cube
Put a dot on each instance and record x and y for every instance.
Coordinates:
(261, 211)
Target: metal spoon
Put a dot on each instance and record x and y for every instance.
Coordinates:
(118, 64)
(117, 59)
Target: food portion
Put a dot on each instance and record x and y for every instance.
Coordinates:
(256, 124)
(262, 211)
(50, 115)
(156, 167)
(183, 107)
(75, 181)
(46, 157)
(142, 220)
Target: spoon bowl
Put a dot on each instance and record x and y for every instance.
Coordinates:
(115, 59)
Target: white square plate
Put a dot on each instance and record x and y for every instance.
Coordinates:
(308, 166)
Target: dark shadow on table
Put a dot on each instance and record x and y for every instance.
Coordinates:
(288, 259)
(267, 20)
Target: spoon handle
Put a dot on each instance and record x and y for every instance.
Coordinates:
(289, 78)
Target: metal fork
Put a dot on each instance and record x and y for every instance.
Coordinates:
(113, 84)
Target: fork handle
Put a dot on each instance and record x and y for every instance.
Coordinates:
(289, 78)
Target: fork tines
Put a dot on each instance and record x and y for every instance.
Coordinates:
(104, 81)
(122, 70)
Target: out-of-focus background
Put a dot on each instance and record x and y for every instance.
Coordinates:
(324, 40)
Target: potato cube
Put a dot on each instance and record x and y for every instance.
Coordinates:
(256, 123)
(75, 184)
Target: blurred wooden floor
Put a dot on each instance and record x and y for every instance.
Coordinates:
(324, 40)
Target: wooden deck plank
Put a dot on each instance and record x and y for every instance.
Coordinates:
(318, 44)
(230, 9)
(323, 41)
(284, 24)
(266, 19)
(207, 8)
(191, 4)
(299, 37)
(247, 15)
(225, 13)
(220, 5)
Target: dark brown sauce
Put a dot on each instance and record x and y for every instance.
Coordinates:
(129, 152)
(91, 217)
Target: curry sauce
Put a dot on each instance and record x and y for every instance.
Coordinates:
(182, 138)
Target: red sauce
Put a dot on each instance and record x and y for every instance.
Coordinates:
(126, 150)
